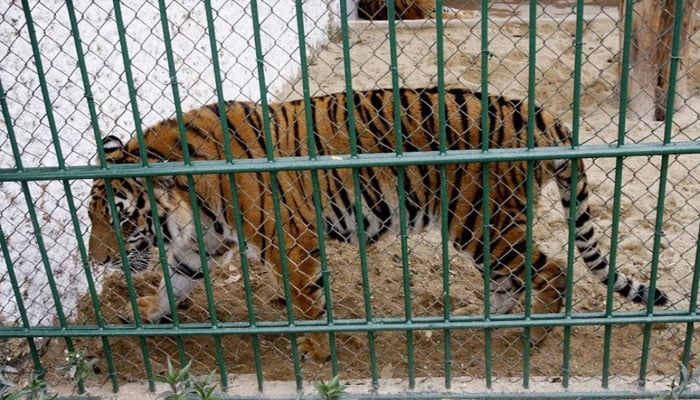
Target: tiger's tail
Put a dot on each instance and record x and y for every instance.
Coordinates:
(586, 240)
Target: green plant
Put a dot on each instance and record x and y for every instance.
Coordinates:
(331, 390)
(177, 380)
(35, 389)
(183, 386)
(5, 384)
(78, 367)
(205, 389)
(685, 378)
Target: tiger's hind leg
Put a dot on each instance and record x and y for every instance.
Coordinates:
(548, 284)
(549, 288)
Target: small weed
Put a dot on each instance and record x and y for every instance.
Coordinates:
(205, 389)
(5, 384)
(35, 389)
(183, 386)
(178, 382)
(77, 367)
(331, 390)
(684, 379)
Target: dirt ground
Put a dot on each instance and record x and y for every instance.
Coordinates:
(417, 66)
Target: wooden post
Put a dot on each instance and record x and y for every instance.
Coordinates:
(650, 55)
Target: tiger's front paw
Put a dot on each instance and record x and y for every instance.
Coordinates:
(148, 308)
(315, 347)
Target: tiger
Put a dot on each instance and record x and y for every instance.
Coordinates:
(376, 10)
(379, 195)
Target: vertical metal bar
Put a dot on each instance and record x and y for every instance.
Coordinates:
(529, 187)
(486, 212)
(224, 130)
(221, 103)
(571, 255)
(274, 187)
(94, 297)
(444, 228)
(617, 193)
(625, 74)
(190, 179)
(144, 162)
(318, 205)
(658, 224)
(614, 234)
(25, 187)
(693, 307)
(36, 360)
(672, 79)
(658, 235)
(401, 178)
(6, 251)
(356, 189)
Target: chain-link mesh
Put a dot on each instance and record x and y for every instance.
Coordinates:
(387, 300)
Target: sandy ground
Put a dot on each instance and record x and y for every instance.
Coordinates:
(508, 66)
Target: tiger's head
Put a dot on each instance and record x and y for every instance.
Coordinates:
(134, 213)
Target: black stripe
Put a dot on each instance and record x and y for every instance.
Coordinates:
(583, 218)
(479, 247)
(626, 289)
(493, 114)
(376, 99)
(585, 236)
(255, 121)
(462, 104)
(317, 135)
(583, 193)
(291, 123)
(539, 120)
(539, 263)
(595, 256)
(413, 203)
(601, 265)
(427, 111)
(127, 186)
(500, 121)
(378, 206)
(167, 236)
(455, 194)
(157, 155)
(206, 209)
(339, 214)
(204, 135)
(408, 145)
(514, 251)
(318, 284)
(468, 226)
(183, 269)
(333, 113)
(517, 117)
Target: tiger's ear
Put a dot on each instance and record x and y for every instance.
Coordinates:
(113, 148)
(112, 143)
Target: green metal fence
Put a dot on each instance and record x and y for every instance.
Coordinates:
(71, 74)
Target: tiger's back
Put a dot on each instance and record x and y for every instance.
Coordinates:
(374, 124)
(378, 192)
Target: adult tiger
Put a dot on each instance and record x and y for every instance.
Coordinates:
(507, 121)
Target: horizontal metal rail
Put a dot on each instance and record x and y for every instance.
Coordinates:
(346, 161)
(353, 325)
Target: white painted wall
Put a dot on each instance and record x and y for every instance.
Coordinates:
(99, 34)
